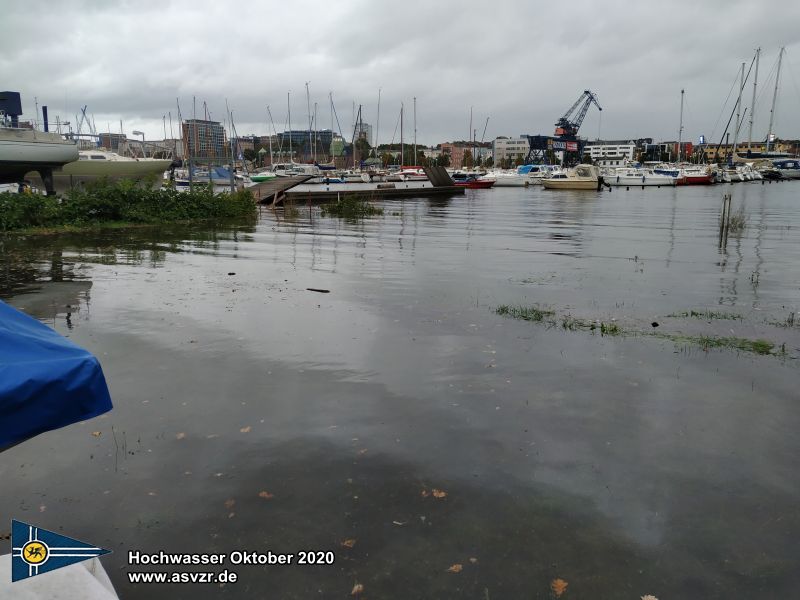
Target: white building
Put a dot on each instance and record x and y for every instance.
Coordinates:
(513, 148)
(610, 155)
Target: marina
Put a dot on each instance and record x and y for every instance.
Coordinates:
(322, 435)
(339, 301)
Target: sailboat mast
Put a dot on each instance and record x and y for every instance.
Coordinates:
(308, 104)
(402, 154)
(753, 104)
(774, 98)
(680, 129)
(415, 130)
(738, 111)
(289, 108)
(269, 112)
(378, 123)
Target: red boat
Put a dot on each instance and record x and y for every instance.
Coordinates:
(474, 183)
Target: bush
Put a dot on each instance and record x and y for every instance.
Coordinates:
(104, 202)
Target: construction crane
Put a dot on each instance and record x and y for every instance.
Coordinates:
(567, 127)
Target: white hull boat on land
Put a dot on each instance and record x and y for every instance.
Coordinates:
(101, 164)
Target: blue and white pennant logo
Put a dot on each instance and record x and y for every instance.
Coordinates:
(35, 551)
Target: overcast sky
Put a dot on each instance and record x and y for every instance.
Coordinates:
(521, 64)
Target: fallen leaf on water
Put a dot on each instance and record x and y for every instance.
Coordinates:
(649, 597)
(399, 523)
(473, 560)
(357, 589)
(151, 494)
(362, 451)
(349, 543)
(439, 493)
(245, 429)
(97, 433)
(265, 494)
(456, 568)
(180, 436)
(42, 508)
(229, 503)
(5, 536)
(424, 493)
(559, 586)
(231, 515)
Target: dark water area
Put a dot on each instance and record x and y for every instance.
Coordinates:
(253, 414)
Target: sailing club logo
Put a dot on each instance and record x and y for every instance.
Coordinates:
(35, 551)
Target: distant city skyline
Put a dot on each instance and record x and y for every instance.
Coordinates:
(138, 62)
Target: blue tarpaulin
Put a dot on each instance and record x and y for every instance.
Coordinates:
(46, 381)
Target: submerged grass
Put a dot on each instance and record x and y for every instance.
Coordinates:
(351, 206)
(525, 313)
(707, 314)
(549, 317)
(102, 203)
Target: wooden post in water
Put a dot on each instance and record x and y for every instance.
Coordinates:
(724, 222)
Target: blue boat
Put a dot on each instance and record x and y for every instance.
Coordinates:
(46, 381)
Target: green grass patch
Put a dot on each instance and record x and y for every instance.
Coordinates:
(524, 313)
(707, 314)
(103, 203)
(350, 206)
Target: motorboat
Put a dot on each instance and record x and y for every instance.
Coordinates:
(262, 176)
(507, 178)
(101, 164)
(637, 177)
(696, 175)
(582, 177)
(535, 173)
(471, 181)
(789, 168)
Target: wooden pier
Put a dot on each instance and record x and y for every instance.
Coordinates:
(273, 191)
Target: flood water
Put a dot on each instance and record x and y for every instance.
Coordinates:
(253, 414)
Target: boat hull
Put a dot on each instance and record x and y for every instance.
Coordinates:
(569, 184)
(24, 150)
(81, 172)
(644, 181)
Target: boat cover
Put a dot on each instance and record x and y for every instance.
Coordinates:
(46, 381)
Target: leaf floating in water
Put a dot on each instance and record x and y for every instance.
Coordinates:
(265, 494)
(456, 568)
(245, 429)
(97, 433)
(42, 508)
(439, 493)
(357, 589)
(649, 597)
(229, 503)
(349, 543)
(473, 560)
(180, 436)
(559, 586)
(424, 493)
(362, 451)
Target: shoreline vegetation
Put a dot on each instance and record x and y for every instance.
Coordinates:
(549, 318)
(118, 204)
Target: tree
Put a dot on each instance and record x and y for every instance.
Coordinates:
(249, 154)
(489, 162)
(443, 160)
(468, 162)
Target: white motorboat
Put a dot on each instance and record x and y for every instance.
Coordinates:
(506, 178)
(582, 177)
(789, 168)
(637, 177)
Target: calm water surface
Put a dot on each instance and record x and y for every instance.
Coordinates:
(252, 414)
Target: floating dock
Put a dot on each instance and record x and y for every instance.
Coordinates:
(439, 184)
